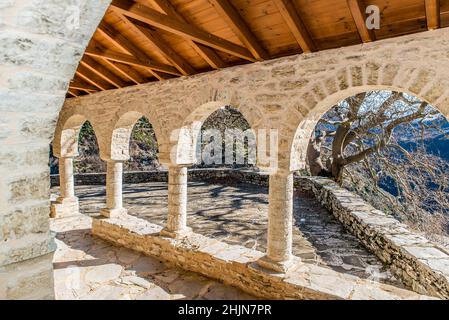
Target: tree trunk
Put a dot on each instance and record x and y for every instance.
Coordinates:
(313, 158)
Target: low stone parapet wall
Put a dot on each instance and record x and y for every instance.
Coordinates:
(419, 263)
(236, 265)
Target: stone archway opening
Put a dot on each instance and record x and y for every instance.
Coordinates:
(222, 204)
(387, 140)
(75, 150)
(145, 180)
(363, 140)
(143, 149)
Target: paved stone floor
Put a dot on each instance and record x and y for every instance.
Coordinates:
(88, 268)
(237, 214)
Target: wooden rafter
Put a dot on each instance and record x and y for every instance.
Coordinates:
(102, 72)
(90, 77)
(126, 71)
(154, 39)
(240, 28)
(357, 8)
(127, 46)
(173, 25)
(73, 92)
(208, 54)
(433, 14)
(82, 85)
(129, 60)
(295, 24)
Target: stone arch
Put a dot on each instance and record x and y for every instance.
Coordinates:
(184, 141)
(66, 141)
(300, 140)
(121, 134)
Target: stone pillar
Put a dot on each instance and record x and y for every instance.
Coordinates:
(66, 204)
(177, 202)
(66, 179)
(114, 192)
(280, 223)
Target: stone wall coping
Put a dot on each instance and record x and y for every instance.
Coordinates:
(420, 263)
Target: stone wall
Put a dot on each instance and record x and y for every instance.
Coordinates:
(419, 263)
(236, 265)
(223, 175)
(39, 53)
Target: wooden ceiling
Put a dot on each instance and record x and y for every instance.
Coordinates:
(152, 40)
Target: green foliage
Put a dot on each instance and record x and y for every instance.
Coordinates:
(143, 147)
(143, 133)
(86, 131)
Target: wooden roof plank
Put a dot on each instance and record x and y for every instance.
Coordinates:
(240, 28)
(161, 45)
(73, 92)
(103, 72)
(170, 24)
(125, 45)
(358, 14)
(208, 54)
(82, 85)
(137, 57)
(125, 71)
(295, 24)
(90, 77)
(433, 14)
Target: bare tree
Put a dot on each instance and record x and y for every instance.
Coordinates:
(360, 144)
(360, 126)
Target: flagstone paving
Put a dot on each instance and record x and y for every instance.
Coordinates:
(88, 268)
(237, 214)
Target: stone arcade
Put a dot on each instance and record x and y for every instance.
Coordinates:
(289, 94)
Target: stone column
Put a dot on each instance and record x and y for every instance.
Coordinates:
(177, 202)
(114, 192)
(66, 204)
(66, 179)
(280, 223)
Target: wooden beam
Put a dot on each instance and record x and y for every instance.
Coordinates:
(90, 77)
(208, 54)
(167, 23)
(433, 14)
(73, 92)
(295, 24)
(127, 46)
(126, 71)
(239, 27)
(102, 72)
(94, 51)
(357, 8)
(154, 39)
(82, 85)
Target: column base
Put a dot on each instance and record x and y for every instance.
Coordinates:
(64, 207)
(279, 267)
(113, 213)
(175, 234)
